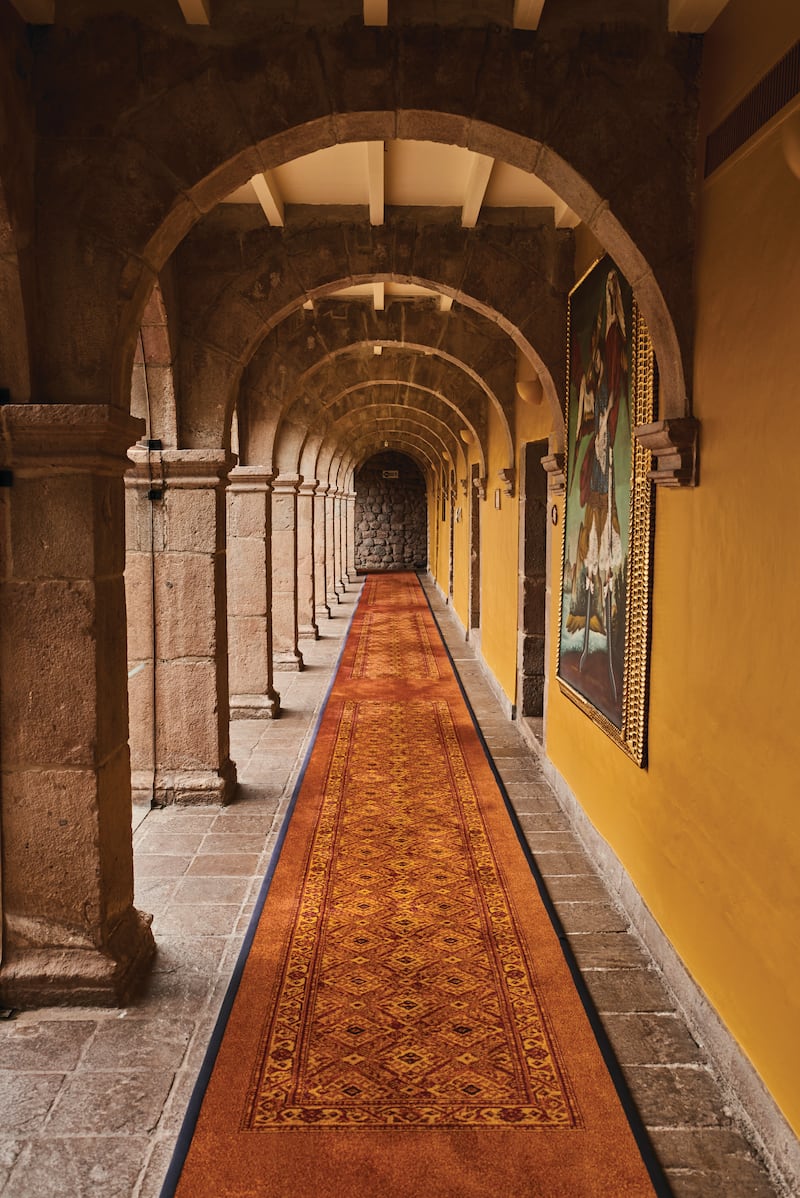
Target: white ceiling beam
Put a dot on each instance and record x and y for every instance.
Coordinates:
(376, 181)
(477, 183)
(196, 12)
(36, 12)
(379, 296)
(527, 13)
(376, 12)
(269, 197)
(693, 16)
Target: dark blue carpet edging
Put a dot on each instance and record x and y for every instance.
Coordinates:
(646, 1150)
(184, 1139)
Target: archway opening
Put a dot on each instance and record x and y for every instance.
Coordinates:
(391, 514)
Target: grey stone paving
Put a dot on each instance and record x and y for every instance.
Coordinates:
(91, 1101)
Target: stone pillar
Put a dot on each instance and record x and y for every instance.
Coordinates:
(341, 540)
(285, 627)
(70, 931)
(177, 616)
(320, 554)
(306, 589)
(350, 538)
(330, 547)
(253, 695)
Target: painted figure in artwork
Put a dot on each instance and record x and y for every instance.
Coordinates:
(602, 388)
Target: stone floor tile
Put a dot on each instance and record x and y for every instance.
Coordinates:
(651, 1038)
(705, 1149)
(576, 888)
(161, 865)
(222, 865)
(56, 1044)
(746, 1180)
(558, 864)
(550, 842)
(156, 1044)
(211, 890)
(172, 840)
(627, 990)
(545, 821)
(151, 894)
(9, 1151)
(676, 1096)
(235, 842)
(24, 1105)
(184, 968)
(179, 818)
(151, 1179)
(590, 917)
(608, 950)
(78, 1167)
(187, 919)
(115, 1103)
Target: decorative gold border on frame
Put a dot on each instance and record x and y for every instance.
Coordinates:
(632, 737)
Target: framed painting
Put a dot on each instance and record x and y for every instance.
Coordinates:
(608, 520)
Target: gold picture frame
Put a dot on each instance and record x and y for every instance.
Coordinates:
(606, 556)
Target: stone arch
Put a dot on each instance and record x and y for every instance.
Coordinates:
(352, 83)
(517, 282)
(153, 390)
(293, 436)
(385, 419)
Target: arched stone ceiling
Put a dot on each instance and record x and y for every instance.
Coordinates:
(125, 171)
(429, 389)
(371, 421)
(239, 287)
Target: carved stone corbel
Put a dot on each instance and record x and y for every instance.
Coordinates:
(464, 485)
(674, 444)
(480, 487)
(507, 478)
(553, 465)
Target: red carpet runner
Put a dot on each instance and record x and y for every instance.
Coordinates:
(406, 1024)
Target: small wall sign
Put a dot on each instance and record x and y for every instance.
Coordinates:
(391, 473)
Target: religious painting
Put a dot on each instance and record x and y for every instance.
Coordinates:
(604, 627)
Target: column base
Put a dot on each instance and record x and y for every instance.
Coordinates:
(288, 659)
(256, 707)
(186, 787)
(309, 632)
(63, 975)
(324, 612)
(333, 597)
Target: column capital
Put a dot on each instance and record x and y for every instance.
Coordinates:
(323, 489)
(308, 486)
(250, 478)
(192, 469)
(40, 439)
(285, 484)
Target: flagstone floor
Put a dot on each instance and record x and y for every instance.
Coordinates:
(91, 1101)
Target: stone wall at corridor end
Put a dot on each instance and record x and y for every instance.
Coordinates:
(391, 514)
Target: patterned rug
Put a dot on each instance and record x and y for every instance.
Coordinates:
(406, 1023)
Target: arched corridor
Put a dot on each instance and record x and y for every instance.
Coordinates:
(293, 292)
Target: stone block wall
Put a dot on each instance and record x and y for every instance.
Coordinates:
(391, 514)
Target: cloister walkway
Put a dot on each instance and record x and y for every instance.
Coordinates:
(91, 1101)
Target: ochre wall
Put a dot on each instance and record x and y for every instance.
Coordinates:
(710, 832)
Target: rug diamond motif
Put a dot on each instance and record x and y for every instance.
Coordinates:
(406, 995)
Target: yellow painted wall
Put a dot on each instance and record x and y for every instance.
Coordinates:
(499, 565)
(710, 833)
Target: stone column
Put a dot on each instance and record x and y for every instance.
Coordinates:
(285, 628)
(350, 538)
(70, 931)
(320, 554)
(341, 540)
(177, 616)
(306, 589)
(330, 547)
(253, 695)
